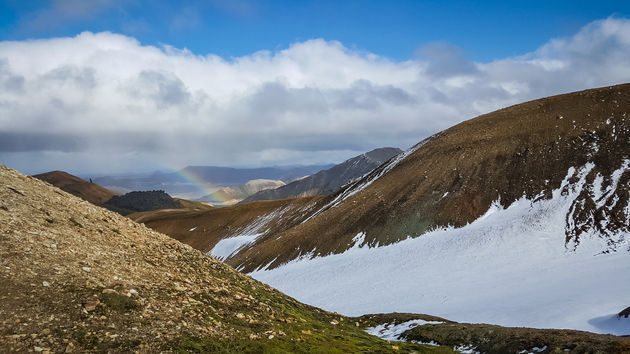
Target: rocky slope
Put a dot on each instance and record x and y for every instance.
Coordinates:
(328, 181)
(77, 278)
(91, 192)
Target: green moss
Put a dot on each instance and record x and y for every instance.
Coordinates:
(119, 302)
(495, 339)
(85, 340)
(312, 344)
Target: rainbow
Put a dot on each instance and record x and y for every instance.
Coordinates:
(205, 186)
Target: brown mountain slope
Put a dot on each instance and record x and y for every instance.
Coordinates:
(91, 192)
(76, 277)
(453, 177)
(203, 229)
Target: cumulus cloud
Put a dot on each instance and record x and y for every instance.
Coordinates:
(104, 97)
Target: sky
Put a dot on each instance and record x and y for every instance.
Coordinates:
(113, 86)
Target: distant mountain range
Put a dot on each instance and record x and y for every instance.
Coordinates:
(328, 181)
(193, 182)
(233, 195)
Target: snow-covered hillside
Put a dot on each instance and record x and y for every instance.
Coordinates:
(510, 267)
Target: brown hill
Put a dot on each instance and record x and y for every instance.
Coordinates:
(202, 229)
(91, 192)
(76, 277)
(452, 178)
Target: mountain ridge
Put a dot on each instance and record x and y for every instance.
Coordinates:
(447, 179)
(328, 181)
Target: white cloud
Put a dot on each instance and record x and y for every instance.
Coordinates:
(101, 94)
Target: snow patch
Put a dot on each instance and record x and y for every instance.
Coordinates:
(229, 246)
(612, 324)
(358, 240)
(509, 267)
(390, 331)
(193, 228)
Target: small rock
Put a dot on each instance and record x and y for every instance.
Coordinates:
(334, 322)
(70, 348)
(356, 324)
(91, 305)
(240, 315)
(271, 336)
(109, 291)
(46, 332)
(87, 269)
(38, 349)
(45, 283)
(133, 291)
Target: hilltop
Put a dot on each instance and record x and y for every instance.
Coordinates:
(76, 277)
(142, 201)
(91, 192)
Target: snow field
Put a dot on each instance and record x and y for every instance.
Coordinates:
(510, 267)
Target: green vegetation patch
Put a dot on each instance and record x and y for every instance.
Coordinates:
(118, 302)
(496, 339)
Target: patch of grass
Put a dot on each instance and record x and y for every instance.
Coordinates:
(297, 328)
(118, 302)
(307, 344)
(374, 320)
(85, 340)
(496, 339)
